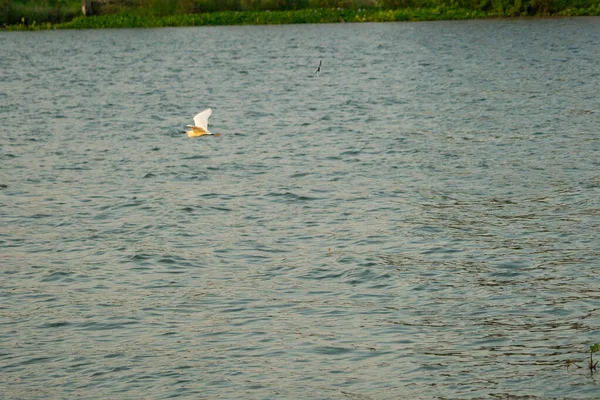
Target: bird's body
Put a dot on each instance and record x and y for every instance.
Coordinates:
(200, 127)
(319, 67)
(195, 131)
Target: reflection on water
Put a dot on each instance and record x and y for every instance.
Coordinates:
(420, 219)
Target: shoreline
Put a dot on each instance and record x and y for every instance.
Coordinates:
(306, 16)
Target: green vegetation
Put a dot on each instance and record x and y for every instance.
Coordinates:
(591, 364)
(593, 349)
(275, 17)
(27, 11)
(66, 14)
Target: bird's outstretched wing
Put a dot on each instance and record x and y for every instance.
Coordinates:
(319, 67)
(201, 120)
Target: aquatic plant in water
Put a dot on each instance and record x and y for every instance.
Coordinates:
(593, 349)
(591, 364)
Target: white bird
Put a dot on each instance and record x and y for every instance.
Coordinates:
(201, 124)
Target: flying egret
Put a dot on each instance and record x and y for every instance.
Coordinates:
(201, 124)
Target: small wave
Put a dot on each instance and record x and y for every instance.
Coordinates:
(289, 196)
(300, 174)
(195, 157)
(58, 324)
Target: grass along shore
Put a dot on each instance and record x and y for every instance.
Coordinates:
(149, 18)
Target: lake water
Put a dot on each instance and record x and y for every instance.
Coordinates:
(419, 220)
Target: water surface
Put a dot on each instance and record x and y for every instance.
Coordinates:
(418, 220)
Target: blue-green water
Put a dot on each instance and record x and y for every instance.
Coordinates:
(419, 220)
